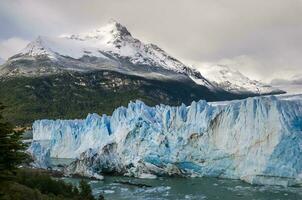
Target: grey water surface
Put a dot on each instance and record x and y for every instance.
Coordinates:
(172, 188)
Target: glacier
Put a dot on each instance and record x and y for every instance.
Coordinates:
(258, 140)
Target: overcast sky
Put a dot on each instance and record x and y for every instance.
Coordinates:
(260, 38)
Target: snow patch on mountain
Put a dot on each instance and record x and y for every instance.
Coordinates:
(258, 140)
(113, 38)
(53, 47)
(233, 81)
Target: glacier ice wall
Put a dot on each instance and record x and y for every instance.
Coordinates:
(258, 140)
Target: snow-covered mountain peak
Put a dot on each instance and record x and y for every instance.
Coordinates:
(220, 73)
(113, 39)
(109, 33)
(38, 47)
(234, 81)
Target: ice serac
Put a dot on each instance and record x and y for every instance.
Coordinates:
(258, 140)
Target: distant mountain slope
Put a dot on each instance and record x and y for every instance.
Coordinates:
(292, 85)
(233, 81)
(74, 94)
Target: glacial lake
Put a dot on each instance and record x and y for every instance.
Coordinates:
(117, 187)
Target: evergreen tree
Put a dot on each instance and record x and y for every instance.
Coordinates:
(75, 190)
(85, 191)
(11, 148)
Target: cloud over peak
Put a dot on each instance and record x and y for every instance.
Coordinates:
(260, 38)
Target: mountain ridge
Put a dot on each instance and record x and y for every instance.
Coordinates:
(108, 44)
(233, 80)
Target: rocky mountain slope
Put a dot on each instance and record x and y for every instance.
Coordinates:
(73, 95)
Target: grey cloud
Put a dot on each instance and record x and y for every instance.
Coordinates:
(11, 46)
(266, 36)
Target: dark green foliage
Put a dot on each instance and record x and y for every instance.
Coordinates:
(85, 190)
(37, 184)
(101, 197)
(75, 191)
(44, 183)
(11, 148)
(74, 95)
(16, 191)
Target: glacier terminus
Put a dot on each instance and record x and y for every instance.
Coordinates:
(258, 140)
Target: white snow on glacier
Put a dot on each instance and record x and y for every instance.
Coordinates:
(258, 140)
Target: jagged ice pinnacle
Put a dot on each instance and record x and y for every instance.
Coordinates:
(258, 140)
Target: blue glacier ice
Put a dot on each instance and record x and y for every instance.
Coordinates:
(258, 140)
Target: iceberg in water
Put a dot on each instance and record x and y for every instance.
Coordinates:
(258, 140)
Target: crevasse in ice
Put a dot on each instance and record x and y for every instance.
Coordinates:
(258, 140)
